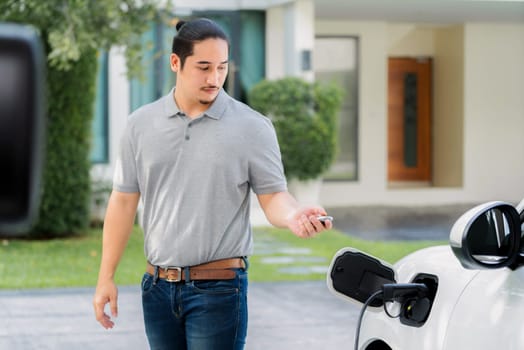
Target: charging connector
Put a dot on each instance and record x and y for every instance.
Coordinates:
(390, 292)
(401, 291)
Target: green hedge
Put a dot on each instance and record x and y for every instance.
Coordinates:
(65, 203)
(71, 32)
(305, 118)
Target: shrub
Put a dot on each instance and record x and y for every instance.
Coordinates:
(305, 117)
(65, 199)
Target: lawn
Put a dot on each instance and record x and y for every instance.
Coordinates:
(278, 256)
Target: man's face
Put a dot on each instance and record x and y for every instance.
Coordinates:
(204, 72)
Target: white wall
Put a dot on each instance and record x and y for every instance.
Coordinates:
(410, 40)
(371, 183)
(448, 108)
(494, 110)
(493, 116)
(289, 31)
(275, 43)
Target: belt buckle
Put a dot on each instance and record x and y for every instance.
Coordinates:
(176, 268)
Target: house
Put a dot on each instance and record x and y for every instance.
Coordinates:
(433, 110)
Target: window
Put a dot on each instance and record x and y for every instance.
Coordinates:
(99, 126)
(157, 78)
(246, 30)
(335, 60)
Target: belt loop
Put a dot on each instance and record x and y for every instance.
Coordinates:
(155, 276)
(246, 262)
(187, 273)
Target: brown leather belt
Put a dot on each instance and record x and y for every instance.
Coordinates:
(214, 270)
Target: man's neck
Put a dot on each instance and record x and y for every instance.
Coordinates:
(191, 110)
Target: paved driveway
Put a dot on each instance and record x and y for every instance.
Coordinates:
(288, 315)
(398, 223)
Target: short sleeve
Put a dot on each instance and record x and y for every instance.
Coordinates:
(125, 175)
(266, 171)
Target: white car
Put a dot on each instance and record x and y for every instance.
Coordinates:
(468, 295)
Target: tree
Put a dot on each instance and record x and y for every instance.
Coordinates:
(73, 31)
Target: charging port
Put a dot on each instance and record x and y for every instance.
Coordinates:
(415, 311)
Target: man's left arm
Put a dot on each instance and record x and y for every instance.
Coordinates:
(282, 210)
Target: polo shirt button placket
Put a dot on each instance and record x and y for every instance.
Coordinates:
(187, 137)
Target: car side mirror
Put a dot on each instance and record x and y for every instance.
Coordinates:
(487, 236)
(356, 276)
(22, 82)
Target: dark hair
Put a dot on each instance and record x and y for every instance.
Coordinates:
(192, 32)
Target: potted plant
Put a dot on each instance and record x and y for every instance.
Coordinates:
(305, 118)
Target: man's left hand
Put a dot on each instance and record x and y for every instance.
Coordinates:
(304, 222)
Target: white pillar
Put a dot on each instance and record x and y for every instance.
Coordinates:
(290, 38)
(118, 111)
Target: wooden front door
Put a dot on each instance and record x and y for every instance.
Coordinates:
(409, 119)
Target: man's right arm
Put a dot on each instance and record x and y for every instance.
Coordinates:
(118, 225)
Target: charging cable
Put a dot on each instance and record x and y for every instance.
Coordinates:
(388, 293)
(362, 311)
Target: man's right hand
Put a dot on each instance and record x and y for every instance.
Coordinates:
(106, 292)
(118, 225)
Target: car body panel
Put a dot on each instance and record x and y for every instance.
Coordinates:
(497, 298)
(453, 279)
(472, 291)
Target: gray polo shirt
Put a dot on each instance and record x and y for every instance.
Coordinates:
(195, 176)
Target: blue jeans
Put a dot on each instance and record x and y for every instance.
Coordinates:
(197, 315)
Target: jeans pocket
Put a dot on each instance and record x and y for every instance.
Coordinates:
(216, 287)
(147, 283)
(232, 286)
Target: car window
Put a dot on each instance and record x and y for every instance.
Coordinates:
(520, 209)
(522, 223)
(489, 236)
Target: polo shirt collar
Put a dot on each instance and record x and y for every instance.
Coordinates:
(215, 111)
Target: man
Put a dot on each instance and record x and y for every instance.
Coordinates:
(192, 157)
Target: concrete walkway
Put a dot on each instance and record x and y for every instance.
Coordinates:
(282, 316)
